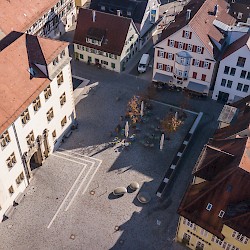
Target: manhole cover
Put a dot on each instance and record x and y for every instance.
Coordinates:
(72, 236)
(92, 192)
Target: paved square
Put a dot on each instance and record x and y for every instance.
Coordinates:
(68, 204)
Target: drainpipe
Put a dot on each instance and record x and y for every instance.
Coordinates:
(21, 154)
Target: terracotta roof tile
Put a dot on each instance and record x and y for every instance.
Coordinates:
(201, 22)
(225, 184)
(22, 14)
(104, 22)
(17, 88)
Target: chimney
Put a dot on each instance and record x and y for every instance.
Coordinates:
(188, 14)
(247, 108)
(216, 9)
(118, 13)
(93, 16)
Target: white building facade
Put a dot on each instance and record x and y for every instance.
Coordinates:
(38, 130)
(108, 51)
(233, 77)
(51, 19)
(183, 60)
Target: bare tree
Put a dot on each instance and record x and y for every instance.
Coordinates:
(134, 108)
(170, 124)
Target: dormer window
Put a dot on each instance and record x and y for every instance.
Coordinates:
(221, 213)
(55, 61)
(102, 7)
(129, 13)
(62, 54)
(93, 41)
(209, 206)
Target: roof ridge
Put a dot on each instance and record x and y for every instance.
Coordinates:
(219, 150)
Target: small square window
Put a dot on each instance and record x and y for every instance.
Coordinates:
(81, 56)
(62, 99)
(54, 134)
(60, 78)
(221, 213)
(223, 82)
(47, 92)
(241, 61)
(246, 88)
(226, 70)
(30, 138)
(248, 75)
(37, 104)
(232, 71)
(11, 190)
(25, 116)
(50, 114)
(64, 121)
(243, 74)
(55, 61)
(62, 54)
(239, 86)
(5, 139)
(229, 83)
(209, 206)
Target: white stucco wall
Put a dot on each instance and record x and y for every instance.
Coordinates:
(38, 123)
(231, 62)
(206, 56)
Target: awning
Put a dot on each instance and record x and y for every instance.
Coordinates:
(162, 78)
(197, 87)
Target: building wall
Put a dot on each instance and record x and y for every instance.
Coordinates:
(207, 241)
(80, 3)
(56, 21)
(200, 70)
(38, 123)
(231, 87)
(84, 53)
(131, 45)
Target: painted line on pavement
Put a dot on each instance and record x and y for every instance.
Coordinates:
(80, 154)
(72, 187)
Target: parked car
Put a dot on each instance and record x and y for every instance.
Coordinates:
(142, 66)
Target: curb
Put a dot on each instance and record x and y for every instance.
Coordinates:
(170, 172)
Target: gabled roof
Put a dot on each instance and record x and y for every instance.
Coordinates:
(201, 21)
(240, 122)
(136, 8)
(18, 88)
(241, 6)
(112, 42)
(225, 179)
(22, 14)
(238, 44)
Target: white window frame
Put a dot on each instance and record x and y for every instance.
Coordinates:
(170, 56)
(206, 65)
(160, 66)
(221, 213)
(209, 207)
(180, 45)
(171, 43)
(187, 34)
(199, 49)
(161, 53)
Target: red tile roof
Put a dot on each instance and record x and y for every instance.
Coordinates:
(17, 88)
(201, 21)
(22, 14)
(244, 40)
(112, 42)
(225, 175)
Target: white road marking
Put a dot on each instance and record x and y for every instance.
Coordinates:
(80, 154)
(79, 176)
(85, 177)
(91, 178)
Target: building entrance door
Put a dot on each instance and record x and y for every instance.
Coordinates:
(34, 161)
(223, 97)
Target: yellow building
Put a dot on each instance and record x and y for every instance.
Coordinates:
(215, 210)
(80, 3)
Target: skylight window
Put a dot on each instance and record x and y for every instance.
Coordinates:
(221, 213)
(209, 206)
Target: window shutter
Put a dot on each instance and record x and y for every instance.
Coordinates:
(193, 61)
(201, 64)
(164, 67)
(202, 50)
(171, 68)
(173, 57)
(183, 33)
(158, 53)
(190, 35)
(166, 54)
(185, 46)
(176, 44)
(157, 65)
(194, 48)
(168, 42)
(209, 65)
